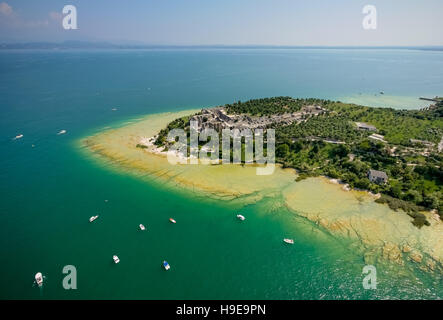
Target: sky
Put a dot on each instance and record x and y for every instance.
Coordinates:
(227, 22)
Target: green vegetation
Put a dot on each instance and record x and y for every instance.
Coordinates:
(327, 126)
(410, 208)
(268, 106)
(176, 124)
(330, 144)
(415, 177)
(398, 126)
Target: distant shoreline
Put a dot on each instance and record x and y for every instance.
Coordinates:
(69, 45)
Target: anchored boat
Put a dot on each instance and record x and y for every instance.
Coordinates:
(91, 219)
(166, 265)
(290, 241)
(142, 227)
(172, 220)
(242, 218)
(116, 259)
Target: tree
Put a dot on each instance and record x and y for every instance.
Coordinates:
(297, 146)
(414, 196)
(395, 191)
(363, 183)
(340, 150)
(432, 201)
(282, 150)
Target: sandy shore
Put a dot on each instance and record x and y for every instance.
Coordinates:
(383, 233)
(218, 181)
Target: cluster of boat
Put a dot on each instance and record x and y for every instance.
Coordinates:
(142, 228)
(286, 240)
(19, 136)
(39, 276)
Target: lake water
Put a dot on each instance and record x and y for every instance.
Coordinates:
(50, 188)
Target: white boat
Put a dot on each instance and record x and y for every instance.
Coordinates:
(61, 132)
(166, 265)
(91, 219)
(290, 241)
(242, 218)
(142, 227)
(172, 220)
(116, 259)
(18, 137)
(39, 279)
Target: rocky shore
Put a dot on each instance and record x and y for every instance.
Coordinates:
(385, 234)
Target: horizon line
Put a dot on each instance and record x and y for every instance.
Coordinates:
(79, 44)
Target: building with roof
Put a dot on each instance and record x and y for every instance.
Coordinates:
(379, 177)
(365, 126)
(377, 137)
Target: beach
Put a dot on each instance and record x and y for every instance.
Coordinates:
(228, 182)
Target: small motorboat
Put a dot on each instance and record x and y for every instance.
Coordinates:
(166, 265)
(242, 218)
(91, 219)
(290, 241)
(61, 132)
(39, 279)
(172, 220)
(18, 137)
(142, 227)
(116, 259)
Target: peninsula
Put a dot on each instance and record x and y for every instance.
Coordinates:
(319, 143)
(394, 153)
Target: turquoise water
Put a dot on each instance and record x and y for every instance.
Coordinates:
(49, 191)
